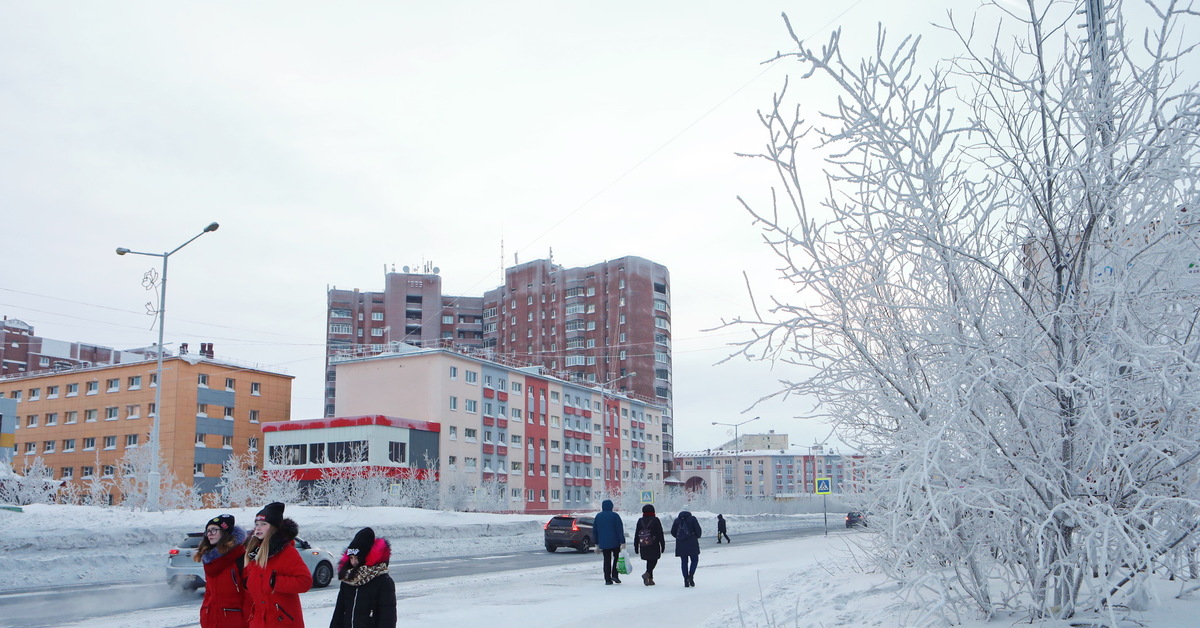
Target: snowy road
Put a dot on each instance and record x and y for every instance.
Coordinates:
(56, 606)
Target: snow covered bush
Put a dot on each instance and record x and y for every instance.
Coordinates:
(997, 299)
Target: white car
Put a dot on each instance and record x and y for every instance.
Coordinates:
(185, 573)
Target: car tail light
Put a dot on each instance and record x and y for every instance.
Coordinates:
(574, 525)
(173, 552)
(547, 526)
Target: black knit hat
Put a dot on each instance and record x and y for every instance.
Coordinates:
(648, 509)
(272, 513)
(361, 544)
(225, 522)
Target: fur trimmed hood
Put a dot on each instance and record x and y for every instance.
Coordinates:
(381, 553)
(239, 537)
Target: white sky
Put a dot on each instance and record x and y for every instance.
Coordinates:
(332, 139)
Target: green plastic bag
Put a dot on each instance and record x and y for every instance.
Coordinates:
(623, 565)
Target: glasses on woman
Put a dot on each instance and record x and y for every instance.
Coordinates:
(212, 531)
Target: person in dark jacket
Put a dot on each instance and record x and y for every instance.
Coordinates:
(686, 531)
(610, 538)
(367, 598)
(221, 551)
(649, 542)
(721, 530)
(275, 573)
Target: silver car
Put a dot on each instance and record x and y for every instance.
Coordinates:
(187, 574)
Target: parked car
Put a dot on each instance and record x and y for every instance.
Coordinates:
(570, 531)
(185, 573)
(856, 518)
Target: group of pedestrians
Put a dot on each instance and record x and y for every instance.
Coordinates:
(255, 580)
(650, 542)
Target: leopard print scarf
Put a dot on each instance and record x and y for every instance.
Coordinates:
(364, 574)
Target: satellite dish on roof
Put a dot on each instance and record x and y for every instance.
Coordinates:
(436, 270)
(406, 269)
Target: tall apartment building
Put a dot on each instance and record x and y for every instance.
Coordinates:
(411, 309)
(556, 444)
(82, 420)
(608, 324)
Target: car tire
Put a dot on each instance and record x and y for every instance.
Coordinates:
(322, 575)
(551, 547)
(585, 546)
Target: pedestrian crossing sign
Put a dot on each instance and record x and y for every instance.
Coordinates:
(823, 485)
(647, 497)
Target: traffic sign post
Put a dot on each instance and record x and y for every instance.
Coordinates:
(647, 497)
(824, 487)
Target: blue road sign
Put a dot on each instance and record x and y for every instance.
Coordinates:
(823, 486)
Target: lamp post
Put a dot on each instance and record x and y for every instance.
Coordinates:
(153, 479)
(737, 452)
(604, 409)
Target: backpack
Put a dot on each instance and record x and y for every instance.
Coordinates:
(645, 538)
(685, 530)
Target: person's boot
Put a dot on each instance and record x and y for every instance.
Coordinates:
(646, 578)
(616, 580)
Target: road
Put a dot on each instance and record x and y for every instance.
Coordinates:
(53, 606)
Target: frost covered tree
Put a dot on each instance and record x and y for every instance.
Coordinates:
(996, 298)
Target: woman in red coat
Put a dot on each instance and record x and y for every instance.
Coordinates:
(275, 573)
(221, 552)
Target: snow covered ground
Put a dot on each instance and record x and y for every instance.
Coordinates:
(813, 581)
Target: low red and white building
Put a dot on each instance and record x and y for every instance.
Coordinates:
(307, 450)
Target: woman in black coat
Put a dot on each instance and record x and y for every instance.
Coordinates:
(649, 542)
(686, 531)
(367, 598)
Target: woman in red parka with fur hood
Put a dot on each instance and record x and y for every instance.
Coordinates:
(221, 553)
(275, 573)
(367, 598)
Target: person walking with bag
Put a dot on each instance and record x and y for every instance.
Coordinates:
(721, 530)
(221, 552)
(686, 531)
(649, 542)
(275, 573)
(367, 598)
(610, 538)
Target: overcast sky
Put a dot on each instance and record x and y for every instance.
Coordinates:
(332, 140)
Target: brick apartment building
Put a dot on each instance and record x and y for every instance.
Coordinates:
(555, 444)
(23, 351)
(608, 324)
(82, 419)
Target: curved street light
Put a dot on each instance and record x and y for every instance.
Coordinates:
(154, 479)
(737, 447)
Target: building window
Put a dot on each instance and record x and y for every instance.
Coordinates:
(340, 328)
(89, 416)
(113, 385)
(52, 392)
(227, 442)
(255, 389)
(51, 418)
(131, 441)
(153, 409)
(254, 416)
(453, 372)
(198, 469)
(230, 384)
(48, 447)
(93, 388)
(154, 379)
(470, 435)
(472, 405)
(377, 332)
(452, 461)
(253, 443)
(471, 463)
(107, 470)
(68, 445)
(133, 411)
(202, 380)
(71, 417)
(89, 444)
(200, 439)
(135, 382)
(112, 413)
(453, 402)
(349, 451)
(68, 473)
(110, 442)
(30, 448)
(87, 472)
(72, 390)
(516, 467)
(447, 319)
(339, 313)
(228, 413)
(453, 433)
(376, 316)
(202, 409)
(35, 394)
(396, 451)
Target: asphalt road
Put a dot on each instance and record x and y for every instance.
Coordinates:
(53, 606)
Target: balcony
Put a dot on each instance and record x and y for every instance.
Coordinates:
(489, 449)
(587, 414)
(501, 450)
(488, 393)
(489, 420)
(502, 396)
(501, 423)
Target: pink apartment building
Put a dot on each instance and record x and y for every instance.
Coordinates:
(557, 445)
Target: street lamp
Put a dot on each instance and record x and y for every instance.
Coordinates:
(153, 479)
(737, 451)
(604, 409)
